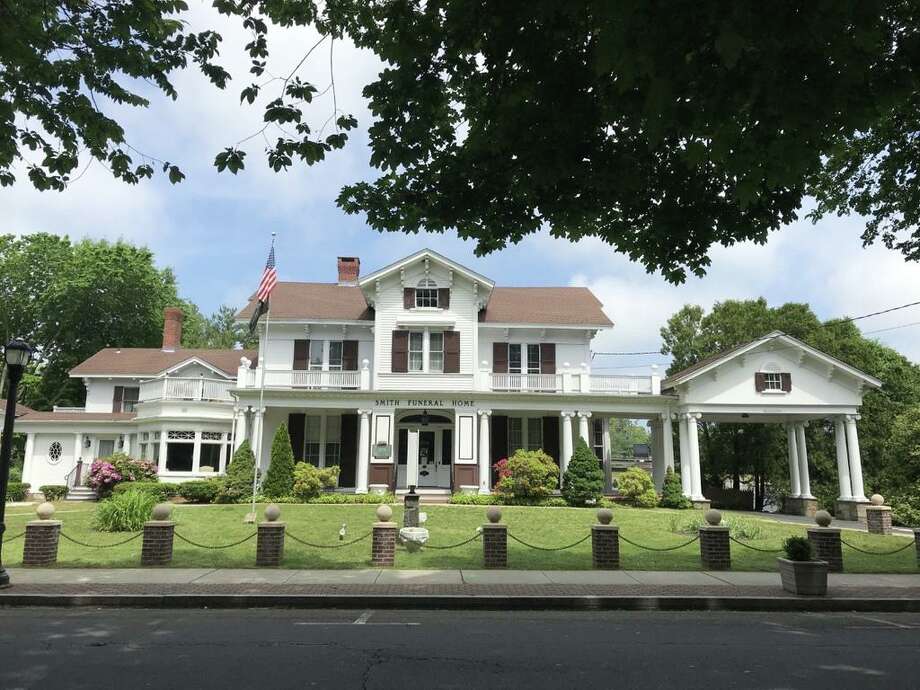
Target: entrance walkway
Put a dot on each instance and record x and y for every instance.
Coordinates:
(802, 520)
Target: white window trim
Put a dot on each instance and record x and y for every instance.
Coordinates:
(426, 351)
(525, 359)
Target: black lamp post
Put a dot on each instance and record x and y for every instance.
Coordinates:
(17, 354)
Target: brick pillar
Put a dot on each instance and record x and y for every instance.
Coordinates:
(158, 542)
(270, 543)
(495, 545)
(826, 543)
(715, 548)
(878, 519)
(41, 545)
(605, 547)
(383, 544)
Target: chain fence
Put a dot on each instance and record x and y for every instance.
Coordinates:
(217, 547)
(877, 553)
(327, 546)
(21, 534)
(550, 548)
(453, 546)
(101, 546)
(755, 548)
(660, 549)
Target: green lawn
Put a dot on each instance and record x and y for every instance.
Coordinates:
(548, 527)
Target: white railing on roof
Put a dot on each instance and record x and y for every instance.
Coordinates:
(542, 383)
(335, 380)
(177, 388)
(621, 385)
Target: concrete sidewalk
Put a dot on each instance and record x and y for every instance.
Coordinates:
(435, 589)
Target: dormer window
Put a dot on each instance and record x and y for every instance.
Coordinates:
(772, 382)
(426, 294)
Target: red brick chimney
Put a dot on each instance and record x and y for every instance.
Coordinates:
(172, 328)
(349, 269)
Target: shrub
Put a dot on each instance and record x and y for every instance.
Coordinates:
(132, 470)
(161, 490)
(499, 500)
(672, 493)
(475, 499)
(740, 528)
(373, 499)
(531, 474)
(15, 474)
(200, 490)
(237, 484)
(103, 477)
(637, 487)
(309, 481)
(798, 549)
(279, 479)
(905, 506)
(17, 491)
(583, 481)
(53, 492)
(124, 512)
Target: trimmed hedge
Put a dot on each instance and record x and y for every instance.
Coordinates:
(53, 492)
(499, 500)
(17, 491)
(200, 490)
(333, 498)
(161, 490)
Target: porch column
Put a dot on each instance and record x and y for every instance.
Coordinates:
(241, 431)
(693, 446)
(686, 483)
(258, 422)
(583, 431)
(161, 463)
(843, 461)
(657, 448)
(804, 481)
(485, 454)
(78, 448)
(566, 441)
(27, 459)
(856, 476)
(792, 454)
(608, 474)
(126, 445)
(667, 440)
(364, 439)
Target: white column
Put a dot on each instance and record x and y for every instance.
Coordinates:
(241, 430)
(693, 447)
(126, 446)
(856, 476)
(28, 460)
(667, 440)
(161, 463)
(792, 455)
(657, 447)
(583, 431)
(804, 481)
(608, 474)
(686, 484)
(77, 448)
(258, 422)
(364, 439)
(485, 453)
(843, 460)
(567, 448)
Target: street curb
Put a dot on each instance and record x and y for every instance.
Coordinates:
(463, 602)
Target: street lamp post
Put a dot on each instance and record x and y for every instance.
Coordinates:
(17, 354)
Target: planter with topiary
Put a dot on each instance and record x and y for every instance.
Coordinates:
(800, 572)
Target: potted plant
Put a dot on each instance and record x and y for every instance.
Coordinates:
(800, 572)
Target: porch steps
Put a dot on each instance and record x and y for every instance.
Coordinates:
(429, 496)
(81, 493)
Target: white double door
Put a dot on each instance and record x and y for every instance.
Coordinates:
(424, 456)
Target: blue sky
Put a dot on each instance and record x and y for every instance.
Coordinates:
(214, 229)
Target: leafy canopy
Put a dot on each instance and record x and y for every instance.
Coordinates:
(660, 132)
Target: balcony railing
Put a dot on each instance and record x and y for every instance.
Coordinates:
(571, 382)
(176, 388)
(621, 385)
(541, 383)
(332, 380)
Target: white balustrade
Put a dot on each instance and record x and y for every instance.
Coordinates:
(540, 383)
(621, 385)
(336, 380)
(176, 388)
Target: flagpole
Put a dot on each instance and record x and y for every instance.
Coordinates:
(262, 362)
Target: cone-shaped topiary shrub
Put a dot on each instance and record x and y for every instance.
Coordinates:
(279, 479)
(236, 485)
(583, 481)
(672, 495)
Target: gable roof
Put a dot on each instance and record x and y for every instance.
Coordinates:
(79, 417)
(561, 306)
(425, 253)
(716, 360)
(149, 361)
(320, 301)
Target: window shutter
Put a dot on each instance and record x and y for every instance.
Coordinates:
(444, 298)
(551, 438)
(451, 352)
(547, 358)
(408, 298)
(349, 450)
(399, 354)
(499, 358)
(350, 355)
(296, 428)
(117, 396)
(301, 354)
(787, 382)
(498, 443)
(760, 383)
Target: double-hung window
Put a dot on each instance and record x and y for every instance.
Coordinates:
(333, 450)
(533, 359)
(335, 355)
(316, 355)
(525, 433)
(416, 351)
(312, 440)
(426, 294)
(514, 358)
(436, 351)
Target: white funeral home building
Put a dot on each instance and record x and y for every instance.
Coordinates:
(425, 373)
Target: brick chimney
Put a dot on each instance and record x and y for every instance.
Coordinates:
(172, 328)
(349, 269)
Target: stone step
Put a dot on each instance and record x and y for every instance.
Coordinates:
(81, 493)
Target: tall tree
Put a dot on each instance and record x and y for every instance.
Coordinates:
(624, 435)
(662, 130)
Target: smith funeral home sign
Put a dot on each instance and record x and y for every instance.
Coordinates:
(412, 402)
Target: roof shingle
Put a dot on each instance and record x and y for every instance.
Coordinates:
(148, 361)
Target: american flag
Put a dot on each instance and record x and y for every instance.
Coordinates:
(266, 285)
(269, 278)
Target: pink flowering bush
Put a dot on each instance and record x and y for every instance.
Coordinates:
(105, 473)
(502, 468)
(103, 477)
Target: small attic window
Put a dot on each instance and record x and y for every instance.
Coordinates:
(771, 380)
(426, 293)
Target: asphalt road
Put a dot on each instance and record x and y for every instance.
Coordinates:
(269, 649)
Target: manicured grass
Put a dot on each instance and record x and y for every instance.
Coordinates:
(547, 527)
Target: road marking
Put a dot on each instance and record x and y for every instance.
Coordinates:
(353, 623)
(362, 619)
(902, 626)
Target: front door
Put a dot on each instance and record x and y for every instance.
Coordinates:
(427, 462)
(433, 451)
